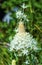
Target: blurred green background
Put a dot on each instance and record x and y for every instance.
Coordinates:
(9, 23)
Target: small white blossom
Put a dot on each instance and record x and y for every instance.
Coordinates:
(26, 62)
(24, 6)
(25, 52)
(19, 14)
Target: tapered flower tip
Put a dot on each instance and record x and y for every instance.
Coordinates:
(21, 27)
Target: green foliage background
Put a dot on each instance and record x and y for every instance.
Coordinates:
(34, 27)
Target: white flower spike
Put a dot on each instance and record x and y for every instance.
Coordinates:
(23, 41)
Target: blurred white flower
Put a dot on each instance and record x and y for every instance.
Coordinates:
(25, 17)
(25, 52)
(26, 62)
(20, 15)
(24, 6)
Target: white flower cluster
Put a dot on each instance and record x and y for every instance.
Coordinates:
(22, 42)
(20, 15)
